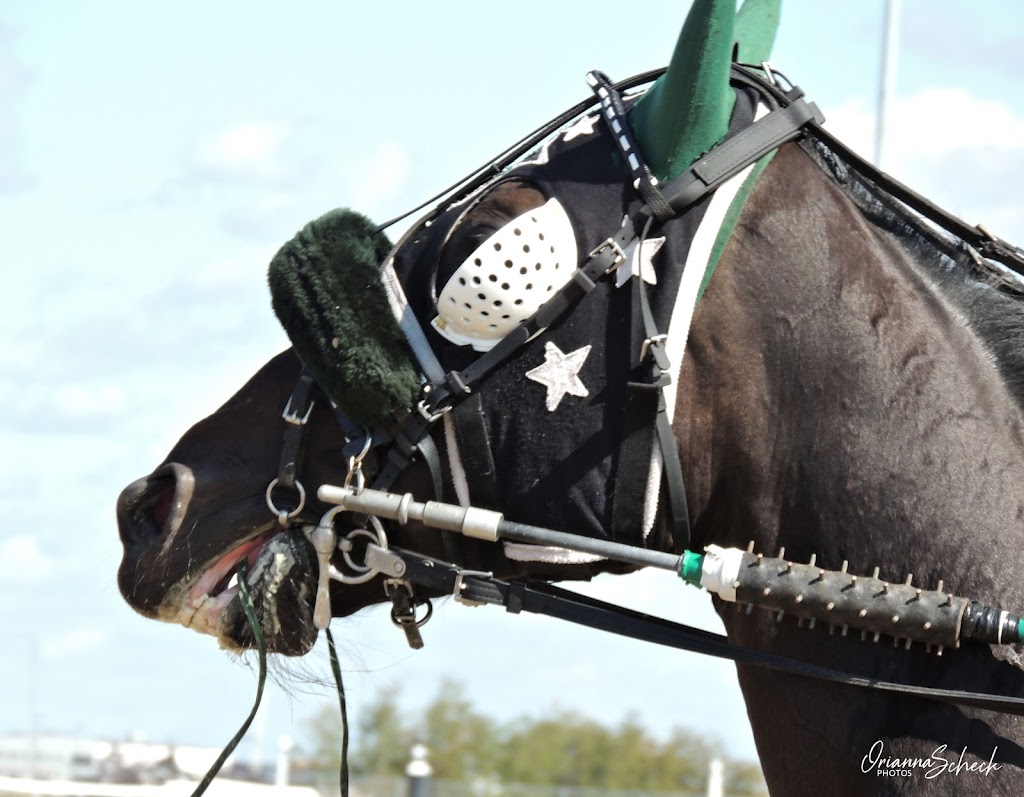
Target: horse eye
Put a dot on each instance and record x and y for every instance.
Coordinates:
(480, 233)
(466, 241)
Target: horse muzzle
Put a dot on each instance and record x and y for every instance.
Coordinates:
(181, 559)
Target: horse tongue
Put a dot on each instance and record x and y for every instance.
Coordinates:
(282, 579)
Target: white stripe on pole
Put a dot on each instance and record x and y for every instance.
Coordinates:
(887, 77)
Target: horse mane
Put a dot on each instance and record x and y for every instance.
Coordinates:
(990, 298)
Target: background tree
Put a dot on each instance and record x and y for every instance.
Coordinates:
(383, 741)
(558, 749)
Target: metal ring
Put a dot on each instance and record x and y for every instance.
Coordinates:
(282, 515)
(377, 535)
(355, 473)
(406, 620)
(355, 459)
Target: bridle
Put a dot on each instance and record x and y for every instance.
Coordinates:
(367, 497)
(745, 577)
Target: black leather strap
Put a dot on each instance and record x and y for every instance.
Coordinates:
(734, 154)
(616, 117)
(554, 602)
(295, 415)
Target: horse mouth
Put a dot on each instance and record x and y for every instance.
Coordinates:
(280, 571)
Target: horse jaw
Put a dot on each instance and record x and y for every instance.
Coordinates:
(281, 576)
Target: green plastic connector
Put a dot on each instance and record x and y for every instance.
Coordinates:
(1020, 628)
(690, 566)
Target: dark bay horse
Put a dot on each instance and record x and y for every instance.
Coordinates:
(849, 391)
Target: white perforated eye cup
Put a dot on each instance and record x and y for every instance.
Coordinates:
(507, 278)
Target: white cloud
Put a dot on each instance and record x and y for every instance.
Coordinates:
(72, 643)
(88, 400)
(14, 82)
(25, 561)
(380, 177)
(959, 150)
(254, 150)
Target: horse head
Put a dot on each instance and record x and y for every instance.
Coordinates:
(188, 525)
(843, 391)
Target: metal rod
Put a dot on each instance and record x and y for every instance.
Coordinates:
(485, 524)
(610, 550)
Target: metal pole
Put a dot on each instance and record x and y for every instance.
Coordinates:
(887, 76)
(715, 778)
(483, 524)
(418, 772)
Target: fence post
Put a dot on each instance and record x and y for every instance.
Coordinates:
(715, 778)
(418, 772)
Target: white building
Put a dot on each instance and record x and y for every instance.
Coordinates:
(69, 765)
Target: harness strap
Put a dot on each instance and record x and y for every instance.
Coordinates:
(734, 154)
(615, 115)
(710, 172)
(679, 512)
(544, 599)
(976, 236)
(296, 414)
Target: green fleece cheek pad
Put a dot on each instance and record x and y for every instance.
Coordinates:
(327, 292)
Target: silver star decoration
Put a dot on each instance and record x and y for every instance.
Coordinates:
(560, 374)
(584, 127)
(639, 261)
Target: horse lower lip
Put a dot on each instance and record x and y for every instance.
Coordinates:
(216, 578)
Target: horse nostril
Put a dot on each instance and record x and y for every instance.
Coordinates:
(160, 498)
(154, 505)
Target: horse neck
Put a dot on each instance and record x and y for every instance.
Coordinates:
(832, 401)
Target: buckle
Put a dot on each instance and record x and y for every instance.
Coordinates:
(292, 416)
(431, 415)
(650, 343)
(619, 257)
(460, 585)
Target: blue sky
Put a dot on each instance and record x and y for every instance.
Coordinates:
(152, 159)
